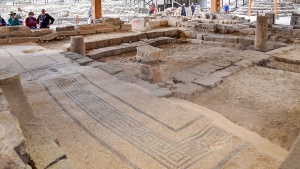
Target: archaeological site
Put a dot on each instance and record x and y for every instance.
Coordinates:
(150, 84)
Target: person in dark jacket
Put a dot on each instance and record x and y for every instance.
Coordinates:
(183, 13)
(44, 20)
(2, 21)
(193, 9)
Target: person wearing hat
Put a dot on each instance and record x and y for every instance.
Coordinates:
(13, 21)
(30, 21)
(2, 21)
(45, 20)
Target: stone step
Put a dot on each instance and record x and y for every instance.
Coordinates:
(129, 47)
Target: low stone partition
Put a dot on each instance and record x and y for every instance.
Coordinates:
(243, 43)
(284, 34)
(95, 44)
(129, 47)
(21, 34)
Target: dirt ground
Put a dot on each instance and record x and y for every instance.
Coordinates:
(261, 99)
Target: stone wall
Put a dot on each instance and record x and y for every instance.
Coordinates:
(22, 34)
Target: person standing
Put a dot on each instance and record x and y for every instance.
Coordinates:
(44, 20)
(193, 8)
(13, 21)
(226, 8)
(2, 21)
(21, 15)
(183, 13)
(30, 21)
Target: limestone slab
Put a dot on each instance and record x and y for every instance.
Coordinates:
(208, 81)
(84, 61)
(162, 92)
(187, 90)
(185, 77)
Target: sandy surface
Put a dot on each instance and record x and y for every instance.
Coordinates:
(263, 100)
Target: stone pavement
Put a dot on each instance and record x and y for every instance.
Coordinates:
(103, 122)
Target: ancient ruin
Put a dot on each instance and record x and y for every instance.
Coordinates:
(151, 84)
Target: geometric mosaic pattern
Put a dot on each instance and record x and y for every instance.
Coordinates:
(171, 154)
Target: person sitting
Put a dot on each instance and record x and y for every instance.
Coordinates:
(30, 21)
(13, 21)
(2, 21)
(44, 20)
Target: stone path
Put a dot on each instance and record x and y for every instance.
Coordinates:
(103, 122)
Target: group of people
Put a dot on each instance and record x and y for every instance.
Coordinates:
(44, 20)
(152, 9)
(183, 12)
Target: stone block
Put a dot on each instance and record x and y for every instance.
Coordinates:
(105, 30)
(49, 37)
(84, 61)
(270, 45)
(103, 43)
(244, 63)
(67, 33)
(168, 33)
(239, 46)
(156, 74)
(138, 24)
(99, 53)
(126, 77)
(117, 27)
(222, 44)
(187, 90)
(149, 52)
(251, 47)
(127, 39)
(175, 33)
(185, 77)
(4, 41)
(219, 39)
(164, 23)
(221, 74)
(250, 31)
(153, 24)
(19, 34)
(91, 45)
(141, 36)
(229, 45)
(115, 41)
(209, 38)
(145, 72)
(151, 35)
(24, 39)
(232, 69)
(126, 27)
(231, 39)
(65, 28)
(110, 68)
(200, 36)
(211, 66)
(147, 85)
(71, 55)
(86, 32)
(208, 81)
(221, 63)
(246, 41)
(162, 92)
(211, 43)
